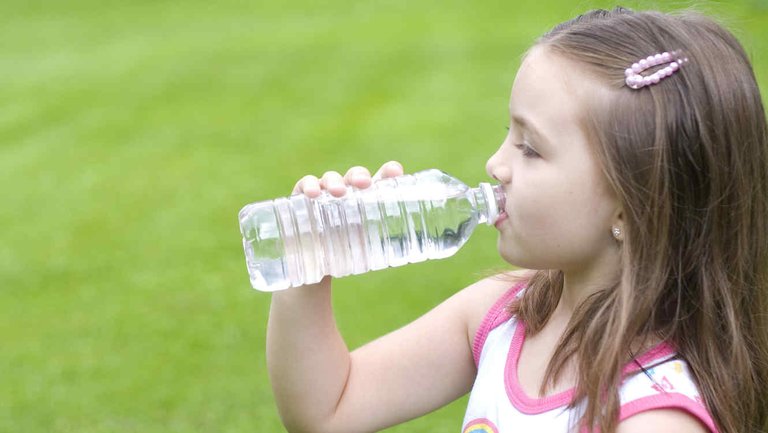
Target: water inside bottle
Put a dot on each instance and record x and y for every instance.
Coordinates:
(295, 240)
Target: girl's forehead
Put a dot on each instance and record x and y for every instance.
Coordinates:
(553, 95)
(549, 89)
(548, 73)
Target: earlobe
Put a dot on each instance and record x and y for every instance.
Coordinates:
(617, 229)
(617, 234)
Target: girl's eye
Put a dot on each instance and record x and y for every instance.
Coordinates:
(527, 150)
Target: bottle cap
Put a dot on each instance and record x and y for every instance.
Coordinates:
(494, 197)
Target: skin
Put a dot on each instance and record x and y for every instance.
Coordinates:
(560, 217)
(560, 207)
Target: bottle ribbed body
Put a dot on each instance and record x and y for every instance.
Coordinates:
(295, 240)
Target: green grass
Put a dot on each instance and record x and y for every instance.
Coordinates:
(131, 133)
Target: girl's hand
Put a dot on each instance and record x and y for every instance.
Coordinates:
(336, 185)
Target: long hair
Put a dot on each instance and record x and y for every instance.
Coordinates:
(688, 160)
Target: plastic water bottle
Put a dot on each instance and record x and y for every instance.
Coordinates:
(406, 219)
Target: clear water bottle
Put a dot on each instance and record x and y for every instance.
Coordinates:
(406, 219)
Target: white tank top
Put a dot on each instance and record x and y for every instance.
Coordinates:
(498, 404)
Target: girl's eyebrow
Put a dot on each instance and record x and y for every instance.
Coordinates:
(526, 124)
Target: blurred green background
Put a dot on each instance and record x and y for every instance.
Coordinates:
(131, 133)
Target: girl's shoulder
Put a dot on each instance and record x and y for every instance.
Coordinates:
(487, 299)
(664, 384)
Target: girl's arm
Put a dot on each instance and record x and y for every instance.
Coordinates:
(320, 387)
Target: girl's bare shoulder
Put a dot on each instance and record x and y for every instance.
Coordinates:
(479, 297)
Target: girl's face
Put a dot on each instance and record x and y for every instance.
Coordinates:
(559, 205)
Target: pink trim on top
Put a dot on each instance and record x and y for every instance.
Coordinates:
(517, 396)
(529, 405)
(661, 351)
(669, 400)
(497, 315)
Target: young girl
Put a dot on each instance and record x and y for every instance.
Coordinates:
(637, 195)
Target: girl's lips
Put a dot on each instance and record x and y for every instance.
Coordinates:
(502, 217)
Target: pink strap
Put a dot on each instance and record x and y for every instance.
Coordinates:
(497, 315)
(669, 400)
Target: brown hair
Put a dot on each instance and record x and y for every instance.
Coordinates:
(688, 160)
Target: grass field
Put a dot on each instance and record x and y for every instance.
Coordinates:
(131, 133)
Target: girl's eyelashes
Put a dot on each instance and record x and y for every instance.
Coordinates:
(527, 150)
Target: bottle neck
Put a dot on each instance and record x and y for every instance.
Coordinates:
(489, 202)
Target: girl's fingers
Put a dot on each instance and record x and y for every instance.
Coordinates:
(333, 183)
(358, 177)
(389, 169)
(308, 185)
(336, 184)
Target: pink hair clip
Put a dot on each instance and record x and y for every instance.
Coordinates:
(636, 81)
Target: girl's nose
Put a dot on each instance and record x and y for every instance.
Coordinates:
(496, 169)
(489, 170)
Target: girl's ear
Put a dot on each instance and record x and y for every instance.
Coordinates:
(617, 227)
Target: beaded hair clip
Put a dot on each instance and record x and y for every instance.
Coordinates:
(636, 81)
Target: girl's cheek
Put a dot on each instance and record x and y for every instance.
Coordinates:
(527, 208)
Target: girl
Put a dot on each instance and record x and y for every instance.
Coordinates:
(637, 196)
